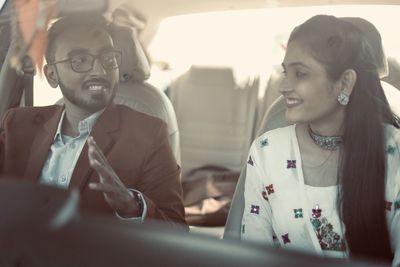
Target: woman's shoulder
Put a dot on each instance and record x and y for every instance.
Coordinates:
(276, 137)
(392, 135)
(393, 156)
(278, 132)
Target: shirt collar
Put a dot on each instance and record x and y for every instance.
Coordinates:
(84, 126)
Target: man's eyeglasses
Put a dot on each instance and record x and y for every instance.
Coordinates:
(84, 62)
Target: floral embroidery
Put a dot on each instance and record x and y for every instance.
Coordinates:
(285, 238)
(264, 142)
(327, 238)
(255, 209)
(316, 213)
(388, 205)
(270, 189)
(390, 150)
(397, 205)
(251, 162)
(291, 164)
(265, 195)
(298, 213)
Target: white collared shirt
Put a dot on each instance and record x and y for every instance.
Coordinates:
(63, 156)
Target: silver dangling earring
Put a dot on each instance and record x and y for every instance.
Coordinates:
(343, 98)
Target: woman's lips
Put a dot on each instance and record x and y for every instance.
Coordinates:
(292, 102)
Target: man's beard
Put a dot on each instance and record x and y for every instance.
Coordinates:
(94, 103)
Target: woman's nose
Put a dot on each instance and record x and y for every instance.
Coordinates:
(285, 86)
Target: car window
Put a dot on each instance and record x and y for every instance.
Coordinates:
(5, 33)
(252, 41)
(2, 4)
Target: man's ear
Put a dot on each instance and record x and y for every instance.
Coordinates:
(51, 75)
(347, 81)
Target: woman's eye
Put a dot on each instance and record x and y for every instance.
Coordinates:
(300, 74)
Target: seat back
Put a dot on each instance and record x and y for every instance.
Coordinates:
(271, 93)
(393, 77)
(274, 117)
(215, 115)
(133, 91)
(146, 98)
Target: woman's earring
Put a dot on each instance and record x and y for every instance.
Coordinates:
(343, 98)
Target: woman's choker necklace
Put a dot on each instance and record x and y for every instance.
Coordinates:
(325, 142)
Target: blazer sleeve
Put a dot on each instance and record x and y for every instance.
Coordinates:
(2, 147)
(160, 182)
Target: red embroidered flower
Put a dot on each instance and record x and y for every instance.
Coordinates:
(316, 213)
(270, 189)
(285, 238)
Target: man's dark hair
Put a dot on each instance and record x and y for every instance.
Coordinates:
(71, 22)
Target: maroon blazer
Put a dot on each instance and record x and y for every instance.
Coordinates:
(135, 144)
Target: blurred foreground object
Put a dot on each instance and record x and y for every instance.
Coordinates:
(30, 21)
(40, 226)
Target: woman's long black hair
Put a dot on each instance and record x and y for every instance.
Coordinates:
(339, 46)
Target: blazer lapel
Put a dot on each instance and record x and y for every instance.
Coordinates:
(103, 133)
(41, 144)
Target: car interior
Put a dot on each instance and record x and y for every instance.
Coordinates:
(211, 71)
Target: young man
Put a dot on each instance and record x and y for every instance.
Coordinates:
(119, 159)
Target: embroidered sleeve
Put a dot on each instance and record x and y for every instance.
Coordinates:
(256, 221)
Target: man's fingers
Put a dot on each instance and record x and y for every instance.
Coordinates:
(122, 201)
(105, 188)
(96, 150)
(109, 189)
(103, 171)
(112, 192)
(106, 174)
(94, 155)
(100, 163)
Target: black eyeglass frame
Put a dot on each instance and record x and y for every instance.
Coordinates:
(92, 64)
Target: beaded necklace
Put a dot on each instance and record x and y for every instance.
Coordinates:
(325, 142)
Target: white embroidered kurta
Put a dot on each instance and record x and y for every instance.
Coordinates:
(280, 208)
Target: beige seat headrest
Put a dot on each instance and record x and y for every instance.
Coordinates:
(216, 76)
(134, 65)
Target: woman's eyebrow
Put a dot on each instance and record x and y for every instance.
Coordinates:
(295, 64)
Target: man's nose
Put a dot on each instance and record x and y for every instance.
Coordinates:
(98, 68)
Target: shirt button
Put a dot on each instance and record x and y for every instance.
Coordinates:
(64, 179)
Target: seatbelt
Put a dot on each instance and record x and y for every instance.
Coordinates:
(29, 71)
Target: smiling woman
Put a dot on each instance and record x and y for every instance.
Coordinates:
(334, 169)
